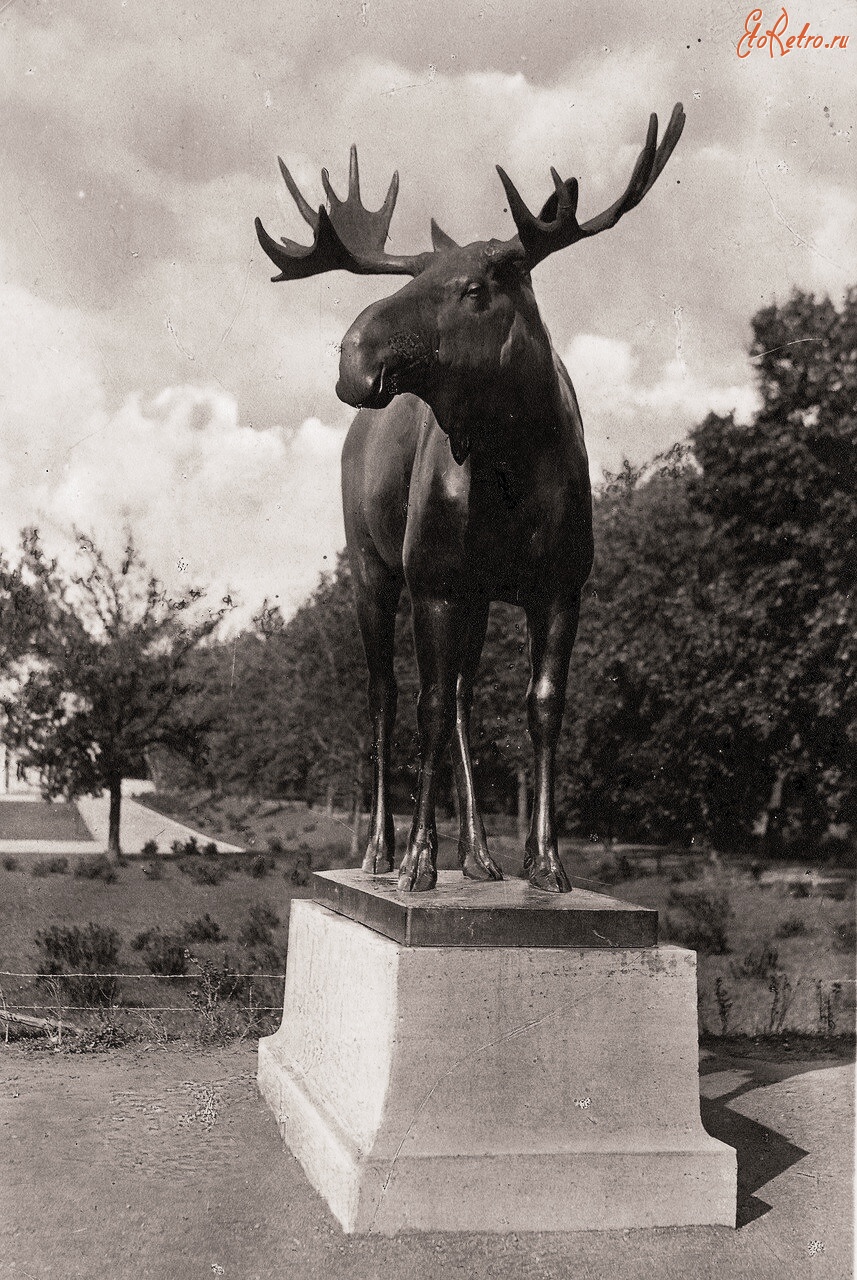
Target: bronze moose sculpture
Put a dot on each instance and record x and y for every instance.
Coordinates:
(465, 476)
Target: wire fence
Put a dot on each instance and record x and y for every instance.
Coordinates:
(86, 1009)
(227, 1003)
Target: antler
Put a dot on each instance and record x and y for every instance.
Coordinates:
(557, 227)
(348, 238)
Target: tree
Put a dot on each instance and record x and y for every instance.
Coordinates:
(105, 670)
(714, 675)
(327, 673)
(638, 757)
(289, 700)
(781, 495)
(500, 743)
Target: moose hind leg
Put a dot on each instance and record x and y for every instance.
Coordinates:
(552, 628)
(473, 857)
(377, 594)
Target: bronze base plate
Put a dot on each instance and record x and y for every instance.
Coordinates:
(464, 913)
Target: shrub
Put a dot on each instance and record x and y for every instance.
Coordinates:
(154, 869)
(259, 867)
(105, 1035)
(845, 936)
(202, 870)
(276, 847)
(267, 959)
(791, 927)
(798, 889)
(702, 924)
(98, 867)
(759, 962)
(829, 1007)
(723, 996)
(150, 849)
(209, 850)
(203, 929)
(89, 952)
(302, 870)
(164, 953)
(257, 929)
(782, 994)
(687, 870)
(10, 863)
(837, 890)
(50, 867)
(216, 985)
(607, 872)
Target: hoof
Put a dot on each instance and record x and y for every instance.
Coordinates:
(549, 877)
(479, 866)
(417, 874)
(377, 863)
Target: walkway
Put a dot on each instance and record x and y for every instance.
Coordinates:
(138, 825)
(164, 1162)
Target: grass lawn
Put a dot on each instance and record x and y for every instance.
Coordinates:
(786, 970)
(41, 820)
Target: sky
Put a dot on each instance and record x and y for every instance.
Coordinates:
(152, 378)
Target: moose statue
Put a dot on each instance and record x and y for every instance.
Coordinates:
(464, 475)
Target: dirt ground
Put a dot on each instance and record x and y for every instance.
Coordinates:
(165, 1163)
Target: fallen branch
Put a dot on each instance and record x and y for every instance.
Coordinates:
(43, 1024)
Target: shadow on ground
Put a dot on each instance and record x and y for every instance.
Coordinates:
(763, 1154)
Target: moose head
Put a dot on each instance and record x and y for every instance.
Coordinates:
(451, 336)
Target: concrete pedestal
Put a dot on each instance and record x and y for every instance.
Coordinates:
(496, 1088)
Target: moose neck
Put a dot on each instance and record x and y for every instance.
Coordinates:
(487, 418)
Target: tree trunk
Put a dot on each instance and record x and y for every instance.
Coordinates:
(328, 801)
(522, 803)
(113, 848)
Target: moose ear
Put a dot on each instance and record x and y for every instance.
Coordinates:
(505, 258)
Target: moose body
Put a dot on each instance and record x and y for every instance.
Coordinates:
(465, 478)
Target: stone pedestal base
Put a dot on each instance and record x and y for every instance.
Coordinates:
(492, 1088)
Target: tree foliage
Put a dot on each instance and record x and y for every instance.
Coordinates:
(717, 649)
(782, 497)
(104, 672)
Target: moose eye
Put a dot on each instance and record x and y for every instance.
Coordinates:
(475, 290)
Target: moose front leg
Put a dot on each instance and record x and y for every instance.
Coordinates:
(552, 628)
(440, 633)
(377, 592)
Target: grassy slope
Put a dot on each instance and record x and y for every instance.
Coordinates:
(135, 903)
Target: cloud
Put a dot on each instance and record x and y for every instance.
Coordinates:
(627, 415)
(151, 371)
(208, 498)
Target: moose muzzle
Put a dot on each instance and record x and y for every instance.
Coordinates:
(385, 352)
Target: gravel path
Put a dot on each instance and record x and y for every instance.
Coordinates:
(165, 1163)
